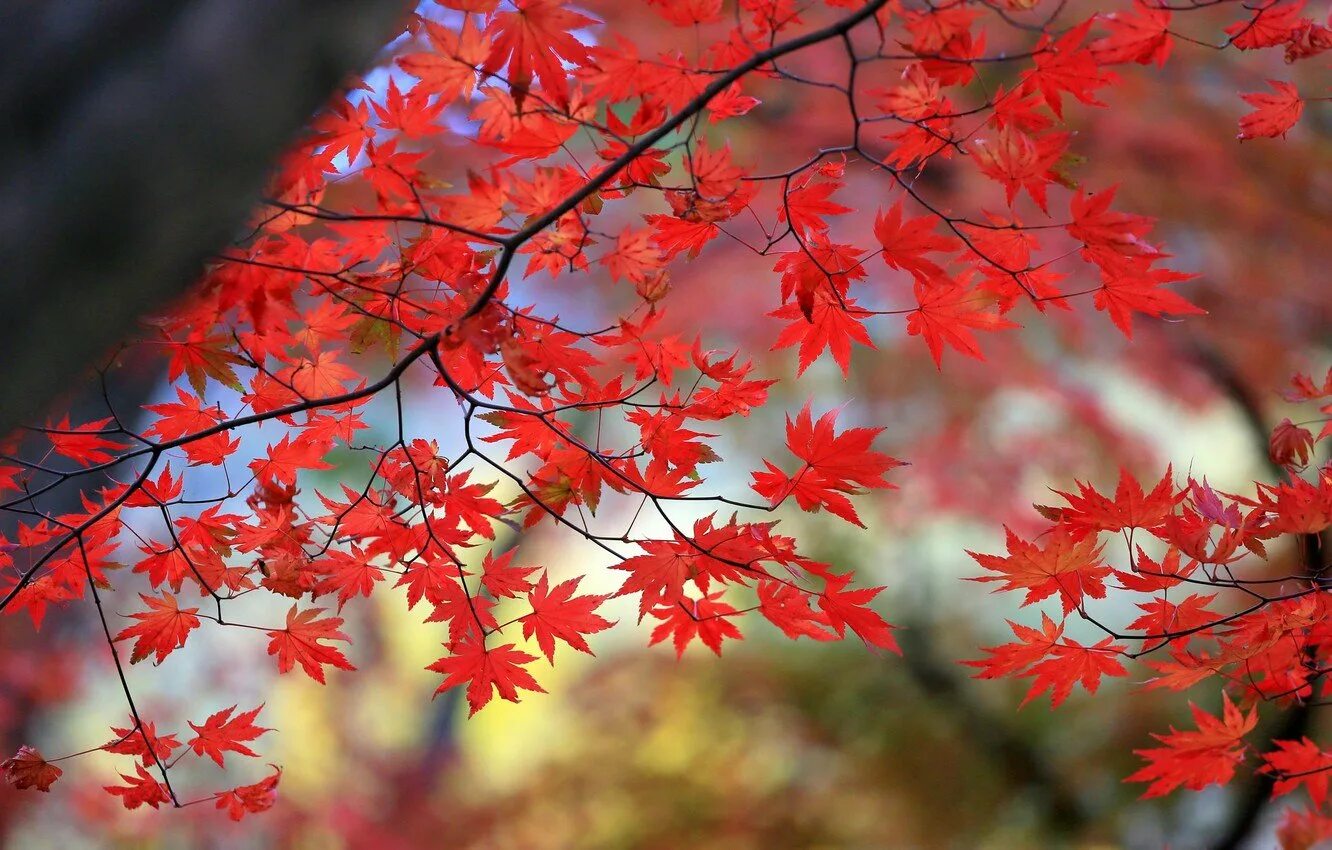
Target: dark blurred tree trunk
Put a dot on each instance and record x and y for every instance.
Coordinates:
(135, 135)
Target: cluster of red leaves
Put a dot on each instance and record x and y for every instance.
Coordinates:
(223, 732)
(567, 138)
(1263, 638)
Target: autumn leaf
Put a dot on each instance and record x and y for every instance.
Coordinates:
(557, 613)
(533, 40)
(849, 609)
(1141, 34)
(1054, 662)
(907, 241)
(161, 629)
(449, 69)
(141, 789)
(1274, 114)
(142, 740)
(704, 619)
(221, 733)
(1130, 507)
(1197, 758)
(1065, 564)
(249, 799)
(28, 769)
(301, 642)
(947, 314)
(835, 466)
(1299, 763)
(486, 672)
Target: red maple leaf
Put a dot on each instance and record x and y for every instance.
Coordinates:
(1299, 763)
(1271, 23)
(28, 769)
(1065, 564)
(222, 733)
(705, 619)
(1139, 35)
(836, 466)
(557, 613)
(808, 206)
(141, 789)
(1064, 65)
(300, 642)
(831, 324)
(487, 671)
(1196, 759)
(532, 40)
(907, 241)
(160, 630)
(1055, 662)
(250, 799)
(1090, 511)
(849, 609)
(949, 310)
(1274, 114)
(142, 741)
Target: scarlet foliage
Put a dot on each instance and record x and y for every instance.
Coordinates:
(528, 136)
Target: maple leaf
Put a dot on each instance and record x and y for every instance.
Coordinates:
(705, 619)
(1299, 763)
(1055, 662)
(1065, 564)
(250, 799)
(450, 69)
(1290, 445)
(83, 444)
(809, 205)
(349, 573)
(160, 630)
(557, 613)
(503, 579)
(829, 325)
(222, 733)
(1148, 576)
(321, 376)
(1163, 618)
(1064, 65)
(906, 241)
(1097, 227)
(28, 769)
(300, 642)
(1139, 35)
(201, 358)
(487, 671)
(1272, 23)
(287, 458)
(139, 790)
(1196, 759)
(659, 574)
(836, 466)
(1089, 511)
(947, 313)
(142, 741)
(849, 609)
(1274, 114)
(634, 256)
(1018, 160)
(532, 40)
(1130, 285)
(788, 608)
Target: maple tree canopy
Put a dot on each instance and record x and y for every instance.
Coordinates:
(472, 303)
